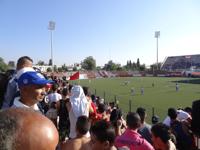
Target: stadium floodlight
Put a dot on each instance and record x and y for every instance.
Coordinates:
(157, 35)
(51, 27)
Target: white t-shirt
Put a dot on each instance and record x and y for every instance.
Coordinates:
(54, 97)
(19, 104)
(182, 115)
(171, 145)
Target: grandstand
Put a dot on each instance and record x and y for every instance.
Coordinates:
(181, 63)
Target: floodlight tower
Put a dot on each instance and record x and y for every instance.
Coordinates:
(157, 35)
(51, 27)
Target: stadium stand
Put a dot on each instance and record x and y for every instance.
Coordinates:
(180, 63)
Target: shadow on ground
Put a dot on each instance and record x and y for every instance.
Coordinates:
(189, 81)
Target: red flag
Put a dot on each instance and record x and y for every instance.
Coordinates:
(74, 76)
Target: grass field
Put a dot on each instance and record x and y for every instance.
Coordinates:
(160, 97)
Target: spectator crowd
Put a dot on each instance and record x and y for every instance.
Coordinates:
(47, 113)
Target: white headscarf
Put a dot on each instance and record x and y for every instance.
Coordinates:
(78, 101)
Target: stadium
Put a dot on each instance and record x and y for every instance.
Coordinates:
(116, 85)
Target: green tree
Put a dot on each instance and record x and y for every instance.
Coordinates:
(64, 68)
(11, 64)
(60, 69)
(138, 63)
(89, 63)
(40, 63)
(49, 69)
(50, 62)
(74, 68)
(55, 68)
(142, 67)
(110, 66)
(3, 65)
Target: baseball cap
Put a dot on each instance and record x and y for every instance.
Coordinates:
(32, 78)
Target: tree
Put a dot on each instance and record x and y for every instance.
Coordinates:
(49, 69)
(60, 69)
(138, 63)
(55, 68)
(64, 68)
(110, 66)
(3, 65)
(50, 62)
(74, 68)
(40, 63)
(89, 63)
(142, 67)
(11, 64)
(154, 66)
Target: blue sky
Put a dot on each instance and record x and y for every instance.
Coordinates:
(117, 30)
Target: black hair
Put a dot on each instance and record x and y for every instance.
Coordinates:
(103, 131)
(23, 60)
(162, 131)
(142, 112)
(64, 91)
(83, 125)
(115, 115)
(86, 91)
(172, 113)
(101, 108)
(133, 120)
(54, 87)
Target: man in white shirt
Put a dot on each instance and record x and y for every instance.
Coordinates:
(181, 115)
(54, 96)
(32, 89)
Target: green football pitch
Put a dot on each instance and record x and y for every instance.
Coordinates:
(160, 97)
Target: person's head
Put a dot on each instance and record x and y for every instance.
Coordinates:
(154, 119)
(142, 113)
(160, 135)
(101, 108)
(102, 136)
(188, 110)
(54, 87)
(53, 105)
(25, 129)
(172, 113)
(115, 115)
(133, 120)
(86, 91)
(32, 87)
(82, 125)
(65, 92)
(24, 61)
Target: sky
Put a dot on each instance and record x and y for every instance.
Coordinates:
(117, 30)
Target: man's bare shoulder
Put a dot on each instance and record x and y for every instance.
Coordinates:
(76, 144)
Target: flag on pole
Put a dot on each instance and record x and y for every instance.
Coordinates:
(75, 76)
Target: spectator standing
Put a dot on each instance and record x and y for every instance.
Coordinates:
(145, 128)
(78, 106)
(54, 96)
(131, 138)
(102, 136)
(24, 64)
(81, 141)
(64, 123)
(52, 113)
(161, 137)
(32, 90)
(25, 129)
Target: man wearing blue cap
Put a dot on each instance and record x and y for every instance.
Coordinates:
(32, 89)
